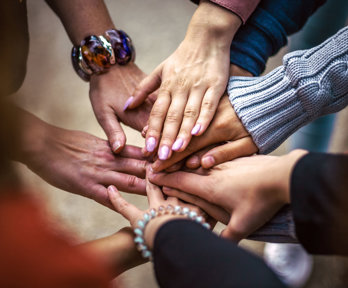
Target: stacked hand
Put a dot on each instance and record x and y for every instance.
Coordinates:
(156, 199)
(79, 162)
(250, 189)
(190, 82)
(109, 93)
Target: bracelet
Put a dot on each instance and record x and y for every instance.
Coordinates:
(153, 213)
(96, 54)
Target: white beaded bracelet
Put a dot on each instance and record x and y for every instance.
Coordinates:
(153, 213)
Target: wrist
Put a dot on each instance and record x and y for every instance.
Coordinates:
(147, 227)
(212, 21)
(286, 165)
(154, 225)
(33, 135)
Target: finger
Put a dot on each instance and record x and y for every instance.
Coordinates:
(148, 85)
(156, 120)
(191, 113)
(229, 151)
(171, 126)
(99, 194)
(144, 131)
(124, 182)
(244, 221)
(208, 109)
(133, 152)
(126, 209)
(130, 166)
(184, 181)
(194, 161)
(214, 211)
(113, 130)
(175, 167)
(154, 194)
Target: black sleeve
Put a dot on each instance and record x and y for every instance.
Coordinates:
(188, 255)
(319, 196)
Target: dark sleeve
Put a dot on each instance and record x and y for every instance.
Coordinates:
(188, 255)
(319, 196)
(267, 29)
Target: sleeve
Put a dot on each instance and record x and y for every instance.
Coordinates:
(267, 29)
(188, 255)
(311, 83)
(319, 197)
(241, 8)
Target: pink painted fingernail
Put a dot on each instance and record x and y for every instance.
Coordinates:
(112, 189)
(128, 102)
(163, 153)
(116, 146)
(177, 144)
(196, 129)
(208, 161)
(150, 144)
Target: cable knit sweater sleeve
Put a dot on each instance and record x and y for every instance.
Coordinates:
(311, 83)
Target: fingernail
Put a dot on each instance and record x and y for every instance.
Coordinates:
(208, 161)
(112, 189)
(116, 146)
(196, 129)
(163, 153)
(128, 102)
(150, 144)
(177, 144)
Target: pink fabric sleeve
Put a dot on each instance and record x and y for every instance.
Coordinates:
(242, 8)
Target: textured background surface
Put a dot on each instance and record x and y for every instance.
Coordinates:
(53, 92)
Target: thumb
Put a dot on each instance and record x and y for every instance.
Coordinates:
(113, 130)
(147, 86)
(229, 151)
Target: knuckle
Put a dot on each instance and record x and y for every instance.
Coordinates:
(173, 116)
(208, 106)
(191, 112)
(181, 83)
(157, 112)
(132, 181)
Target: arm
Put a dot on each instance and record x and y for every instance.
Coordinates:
(187, 255)
(108, 91)
(76, 161)
(116, 252)
(191, 81)
(266, 31)
(241, 8)
(310, 83)
(319, 199)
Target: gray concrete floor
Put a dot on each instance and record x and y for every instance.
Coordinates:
(53, 92)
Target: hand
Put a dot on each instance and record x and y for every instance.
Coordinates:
(225, 126)
(216, 154)
(79, 162)
(251, 189)
(156, 199)
(191, 81)
(108, 94)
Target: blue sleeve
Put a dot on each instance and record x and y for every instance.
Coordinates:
(267, 29)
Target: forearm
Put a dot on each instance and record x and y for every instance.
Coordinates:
(266, 31)
(213, 22)
(241, 8)
(188, 255)
(82, 18)
(116, 252)
(311, 83)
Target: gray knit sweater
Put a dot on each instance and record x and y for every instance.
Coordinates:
(311, 83)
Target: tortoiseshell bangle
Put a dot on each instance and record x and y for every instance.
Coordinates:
(96, 54)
